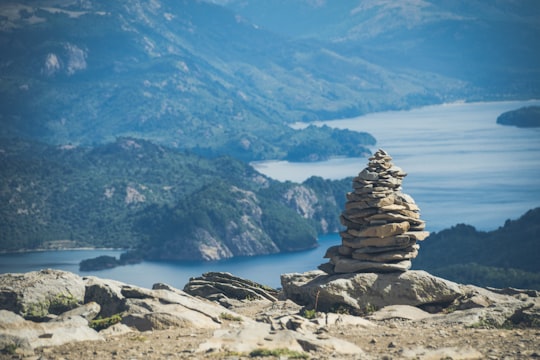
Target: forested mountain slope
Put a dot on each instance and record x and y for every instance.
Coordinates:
(504, 257)
(133, 193)
(195, 75)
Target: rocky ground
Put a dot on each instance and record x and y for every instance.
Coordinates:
(52, 314)
(389, 339)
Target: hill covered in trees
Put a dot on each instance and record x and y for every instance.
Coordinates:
(172, 204)
(504, 257)
(231, 79)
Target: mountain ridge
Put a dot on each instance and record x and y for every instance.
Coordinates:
(87, 72)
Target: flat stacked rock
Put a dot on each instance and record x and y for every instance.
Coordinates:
(383, 224)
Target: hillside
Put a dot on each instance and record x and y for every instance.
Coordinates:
(89, 72)
(490, 45)
(499, 258)
(195, 75)
(133, 193)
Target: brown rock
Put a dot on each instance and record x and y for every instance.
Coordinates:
(403, 254)
(344, 264)
(402, 241)
(382, 230)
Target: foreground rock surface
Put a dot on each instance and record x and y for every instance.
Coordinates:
(362, 292)
(36, 294)
(164, 322)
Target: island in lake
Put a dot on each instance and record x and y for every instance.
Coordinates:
(108, 262)
(528, 116)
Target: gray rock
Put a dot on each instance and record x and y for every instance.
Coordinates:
(166, 306)
(36, 294)
(346, 265)
(252, 336)
(406, 312)
(158, 321)
(53, 333)
(345, 320)
(248, 338)
(528, 316)
(116, 329)
(107, 293)
(368, 175)
(403, 240)
(212, 283)
(279, 309)
(87, 311)
(388, 256)
(381, 231)
(422, 353)
(368, 291)
(19, 344)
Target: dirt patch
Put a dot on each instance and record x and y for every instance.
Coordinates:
(390, 339)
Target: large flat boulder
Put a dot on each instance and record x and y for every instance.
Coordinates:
(107, 293)
(36, 294)
(30, 334)
(214, 285)
(163, 307)
(365, 292)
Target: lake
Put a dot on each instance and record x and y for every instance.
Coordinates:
(463, 168)
(264, 269)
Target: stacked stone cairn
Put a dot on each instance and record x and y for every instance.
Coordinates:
(383, 224)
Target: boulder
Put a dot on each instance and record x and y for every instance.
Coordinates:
(36, 294)
(52, 333)
(151, 314)
(365, 292)
(164, 307)
(107, 293)
(88, 311)
(217, 284)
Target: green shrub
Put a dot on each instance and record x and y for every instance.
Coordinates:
(230, 317)
(62, 303)
(309, 313)
(9, 349)
(291, 354)
(103, 323)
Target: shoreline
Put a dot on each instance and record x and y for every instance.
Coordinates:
(85, 248)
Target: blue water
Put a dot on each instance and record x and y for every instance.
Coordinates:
(265, 269)
(463, 167)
